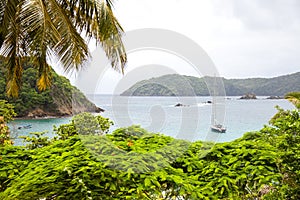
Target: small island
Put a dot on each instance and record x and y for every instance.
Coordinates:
(182, 85)
(249, 96)
(181, 105)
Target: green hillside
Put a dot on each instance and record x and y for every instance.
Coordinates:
(181, 85)
(62, 99)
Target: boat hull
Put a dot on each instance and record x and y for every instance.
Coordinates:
(218, 129)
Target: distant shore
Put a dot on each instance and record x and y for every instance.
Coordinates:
(45, 117)
(48, 117)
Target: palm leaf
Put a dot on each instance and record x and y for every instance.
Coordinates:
(11, 46)
(110, 36)
(95, 19)
(41, 34)
(72, 50)
(41, 28)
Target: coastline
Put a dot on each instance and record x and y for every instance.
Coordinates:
(45, 117)
(51, 116)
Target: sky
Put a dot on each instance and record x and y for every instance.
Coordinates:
(243, 38)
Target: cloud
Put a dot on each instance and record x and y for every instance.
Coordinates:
(268, 14)
(244, 38)
(261, 38)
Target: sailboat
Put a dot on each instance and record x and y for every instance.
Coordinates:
(218, 128)
(215, 125)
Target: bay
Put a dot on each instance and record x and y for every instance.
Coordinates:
(159, 114)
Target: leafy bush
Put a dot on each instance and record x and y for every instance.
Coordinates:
(6, 114)
(284, 135)
(132, 163)
(84, 124)
(13, 160)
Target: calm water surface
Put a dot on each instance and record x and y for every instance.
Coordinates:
(158, 114)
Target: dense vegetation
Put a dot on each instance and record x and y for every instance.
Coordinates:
(180, 85)
(6, 115)
(61, 29)
(60, 99)
(131, 163)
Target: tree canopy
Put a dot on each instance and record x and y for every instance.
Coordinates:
(132, 163)
(41, 29)
(181, 85)
(61, 99)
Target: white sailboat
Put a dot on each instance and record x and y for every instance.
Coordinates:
(218, 128)
(215, 125)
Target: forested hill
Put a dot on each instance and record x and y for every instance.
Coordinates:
(62, 99)
(181, 85)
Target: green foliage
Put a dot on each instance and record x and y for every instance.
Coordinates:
(6, 114)
(104, 123)
(4, 133)
(60, 99)
(6, 111)
(92, 167)
(84, 124)
(13, 160)
(37, 140)
(132, 163)
(87, 124)
(34, 29)
(294, 97)
(180, 85)
(284, 134)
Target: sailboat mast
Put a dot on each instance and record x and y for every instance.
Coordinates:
(213, 120)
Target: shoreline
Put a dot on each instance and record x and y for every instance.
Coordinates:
(49, 117)
(46, 117)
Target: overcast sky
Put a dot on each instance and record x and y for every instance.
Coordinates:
(244, 38)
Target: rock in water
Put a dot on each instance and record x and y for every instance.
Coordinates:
(249, 96)
(274, 97)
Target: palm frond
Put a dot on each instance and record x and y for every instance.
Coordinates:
(96, 20)
(109, 32)
(72, 49)
(52, 29)
(14, 76)
(38, 28)
(2, 8)
(44, 75)
(41, 33)
(8, 9)
(11, 47)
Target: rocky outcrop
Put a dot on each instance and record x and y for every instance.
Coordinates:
(60, 111)
(67, 105)
(181, 105)
(249, 96)
(274, 97)
(61, 100)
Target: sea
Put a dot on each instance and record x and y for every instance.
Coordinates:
(190, 121)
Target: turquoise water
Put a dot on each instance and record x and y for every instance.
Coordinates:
(158, 114)
(38, 125)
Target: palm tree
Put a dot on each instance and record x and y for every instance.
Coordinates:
(293, 97)
(40, 28)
